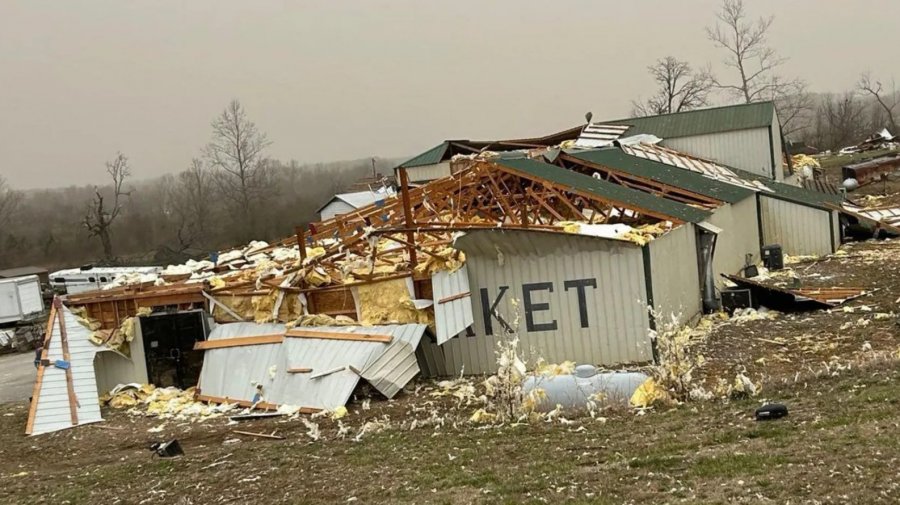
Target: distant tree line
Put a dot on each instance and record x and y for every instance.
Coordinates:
(754, 72)
(230, 194)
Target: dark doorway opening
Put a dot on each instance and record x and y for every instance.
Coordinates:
(169, 340)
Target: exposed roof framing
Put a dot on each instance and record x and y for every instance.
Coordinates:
(445, 150)
(611, 166)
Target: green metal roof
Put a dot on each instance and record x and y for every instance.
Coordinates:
(626, 197)
(666, 174)
(791, 193)
(429, 157)
(702, 121)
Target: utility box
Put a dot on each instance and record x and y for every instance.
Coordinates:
(772, 257)
(20, 298)
(734, 299)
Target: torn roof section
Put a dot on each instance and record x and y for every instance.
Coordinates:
(615, 161)
(447, 149)
(613, 193)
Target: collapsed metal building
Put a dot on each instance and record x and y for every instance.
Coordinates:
(575, 242)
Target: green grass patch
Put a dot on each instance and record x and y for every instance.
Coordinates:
(734, 465)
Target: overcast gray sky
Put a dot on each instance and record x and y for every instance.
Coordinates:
(331, 80)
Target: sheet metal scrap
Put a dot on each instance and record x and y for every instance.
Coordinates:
(798, 299)
(887, 218)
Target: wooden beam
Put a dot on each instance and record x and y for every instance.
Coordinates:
(36, 390)
(64, 342)
(454, 297)
(329, 335)
(258, 435)
(246, 403)
(275, 338)
(299, 370)
(407, 215)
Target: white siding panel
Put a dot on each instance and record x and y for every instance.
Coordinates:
(426, 173)
(780, 166)
(745, 149)
(676, 275)
(800, 230)
(836, 230)
(52, 412)
(739, 237)
(30, 297)
(453, 316)
(615, 323)
(334, 208)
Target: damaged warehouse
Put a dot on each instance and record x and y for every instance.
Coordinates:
(573, 247)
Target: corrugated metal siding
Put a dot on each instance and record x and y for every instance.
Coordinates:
(233, 372)
(836, 230)
(676, 276)
(30, 295)
(52, 411)
(451, 317)
(424, 173)
(800, 230)
(780, 166)
(739, 237)
(393, 369)
(617, 321)
(112, 368)
(745, 149)
(334, 208)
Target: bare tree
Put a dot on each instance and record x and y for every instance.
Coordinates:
(9, 201)
(887, 100)
(680, 88)
(795, 106)
(189, 203)
(749, 54)
(236, 151)
(840, 120)
(100, 214)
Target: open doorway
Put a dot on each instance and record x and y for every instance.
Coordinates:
(169, 340)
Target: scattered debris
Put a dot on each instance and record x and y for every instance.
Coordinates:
(170, 449)
(771, 411)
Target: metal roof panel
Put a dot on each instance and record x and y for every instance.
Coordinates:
(626, 197)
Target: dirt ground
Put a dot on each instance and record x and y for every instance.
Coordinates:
(836, 370)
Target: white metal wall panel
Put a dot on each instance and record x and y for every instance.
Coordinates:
(745, 149)
(112, 368)
(612, 329)
(393, 369)
(451, 317)
(334, 208)
(675, 273)
(739, 237)
(776, 147)
(233, 372)
(52, 412)
(9, 301)
(426, 173)
(799, 229)
(30, 298)
(836, 230)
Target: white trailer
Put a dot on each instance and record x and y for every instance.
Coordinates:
(79, 280)
(20, 298)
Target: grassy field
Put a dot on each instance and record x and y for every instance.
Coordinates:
(838, 445)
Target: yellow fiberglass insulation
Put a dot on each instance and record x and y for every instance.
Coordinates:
(388, 302)
(450, 260)
(241, 305)
(321, 320)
